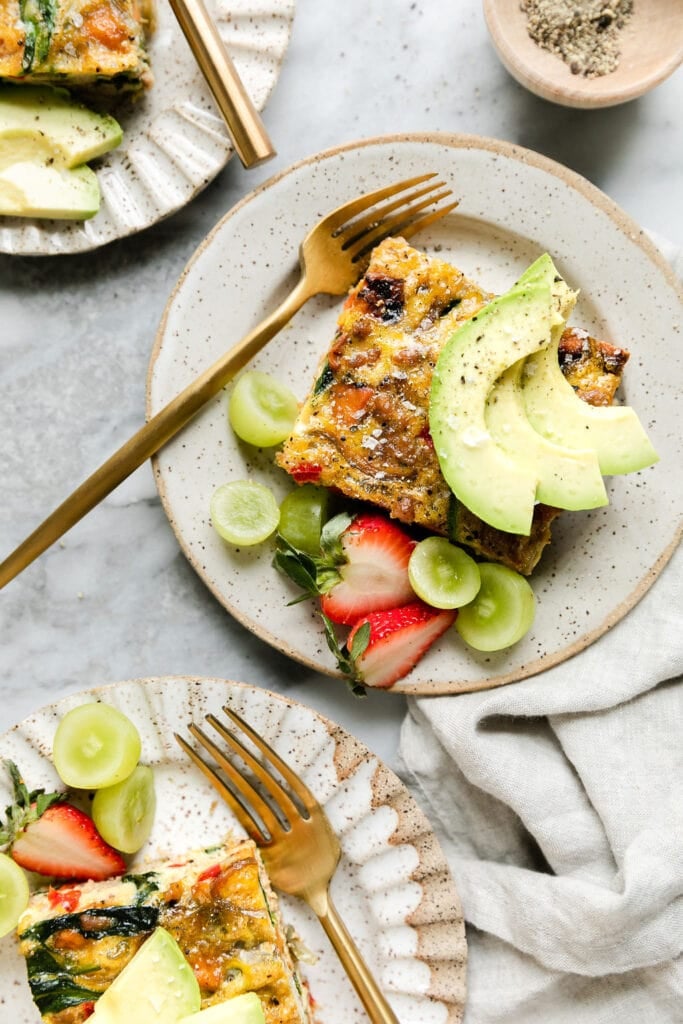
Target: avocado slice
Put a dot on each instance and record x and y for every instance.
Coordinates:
(30, 189)
(157, 986)
(39, 119)
(555, 411)
(508, 428)
(497, 485)
(244, 1009)
(568, 478)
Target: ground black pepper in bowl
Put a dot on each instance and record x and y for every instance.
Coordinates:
(584, 33)
(587, 53)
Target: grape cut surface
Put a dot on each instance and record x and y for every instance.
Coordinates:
(501, 613)
(442, 574)
(261, 410)
(124, 813)
(244, 512)
(95, 745)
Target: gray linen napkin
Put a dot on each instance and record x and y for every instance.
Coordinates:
(558, 801)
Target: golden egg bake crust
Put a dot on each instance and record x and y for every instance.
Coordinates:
(80, 44)
(217, 904)
(364, 429)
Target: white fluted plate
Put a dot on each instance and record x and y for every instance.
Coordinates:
(175, 141)
(393, 887)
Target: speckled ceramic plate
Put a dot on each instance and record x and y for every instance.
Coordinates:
(175, 141)
(392, 888)
(514, 204)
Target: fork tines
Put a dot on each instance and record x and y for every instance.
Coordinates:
(262, 803)
(376, 223)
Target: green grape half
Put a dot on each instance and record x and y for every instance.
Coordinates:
(261, 410)
(501, 613)
(95, 745)
(13, 894)
(302, 515)
(442, 574)
(124, 813)
(244, 512)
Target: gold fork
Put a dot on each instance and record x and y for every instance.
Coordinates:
(332, 258)
(299, 848)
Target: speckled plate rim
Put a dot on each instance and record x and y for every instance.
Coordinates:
(393, 887)
(175, 141)
(632, 234)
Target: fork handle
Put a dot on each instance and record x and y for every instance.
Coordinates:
(371, 996)
(246, 128)
(155, 433)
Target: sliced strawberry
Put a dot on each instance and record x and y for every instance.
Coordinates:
(27, 806)
(374, 575)
(397, 640)
(44, 834)
(64, 843)
(362, 566)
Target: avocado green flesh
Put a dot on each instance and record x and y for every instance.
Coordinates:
(244, 1009)
(508, 429)
(541, 271)
(567, 478)
(46, 140)
(498, 487)
(555, 411)
(45, 117)
(156, 987)
(30, 189)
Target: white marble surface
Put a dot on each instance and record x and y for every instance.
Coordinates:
(116, 599)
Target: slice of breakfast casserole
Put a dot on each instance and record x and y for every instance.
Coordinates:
(217, 904)
(94, 45)
(364, 429)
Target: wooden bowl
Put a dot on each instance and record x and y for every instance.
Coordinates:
(651, 49)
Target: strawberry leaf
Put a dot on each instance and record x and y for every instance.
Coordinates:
(298, 566)
(345, 660)
(22, 797)
(360, 641)
(45, 800)
(315, 574)
(331, 535)
(28, 806)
